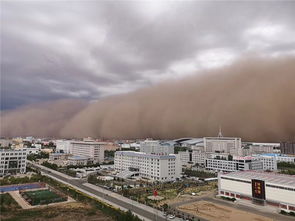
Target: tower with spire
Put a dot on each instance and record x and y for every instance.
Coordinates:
(219, 133)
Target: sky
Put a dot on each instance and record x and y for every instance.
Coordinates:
(93, 49)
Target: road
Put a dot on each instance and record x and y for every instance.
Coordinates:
(110, 197)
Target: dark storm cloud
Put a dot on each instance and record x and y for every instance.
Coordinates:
(92, 49)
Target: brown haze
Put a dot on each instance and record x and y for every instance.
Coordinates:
(253, 99)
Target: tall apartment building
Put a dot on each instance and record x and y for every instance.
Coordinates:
(93, 150)
(154, 147)
(230, 145)
(287, 147)
(12, 161)
(155, 167)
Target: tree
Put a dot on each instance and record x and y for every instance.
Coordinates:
(230, 157)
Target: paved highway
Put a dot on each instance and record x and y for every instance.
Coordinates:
(110, 197)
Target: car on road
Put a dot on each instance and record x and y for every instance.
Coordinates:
(171, 216)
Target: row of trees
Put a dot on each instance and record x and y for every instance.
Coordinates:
(198, 173)
(41, 155)
(54, 166)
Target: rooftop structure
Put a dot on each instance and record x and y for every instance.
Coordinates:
(272, 178)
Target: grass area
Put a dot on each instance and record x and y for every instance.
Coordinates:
(41, 197)
(7, 203)
(199, 173)
(286, 168)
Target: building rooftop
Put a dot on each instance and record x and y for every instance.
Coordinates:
(274, 155)
(78, 158)
(154, 156)
(89, 142)
(270, 178)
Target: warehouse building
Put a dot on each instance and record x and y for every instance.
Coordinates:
(260, 187)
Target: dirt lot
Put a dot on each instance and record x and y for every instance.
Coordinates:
(215, 212)
(64, 212)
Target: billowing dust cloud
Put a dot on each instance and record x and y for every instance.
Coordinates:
(253, 99)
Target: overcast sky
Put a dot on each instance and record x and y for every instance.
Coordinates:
(92, 49)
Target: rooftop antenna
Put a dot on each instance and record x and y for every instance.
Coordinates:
(219, 133)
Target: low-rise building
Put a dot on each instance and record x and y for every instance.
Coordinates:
(280, 157)
(260, 187)
(238, 163)
(12, 161)
(269, 162)
(155, 147)
(58, 156)
(32, 150)
(78, 160)
(63, 146)
(287, 147)
(184, 157)
(198, 157)
(151, 166)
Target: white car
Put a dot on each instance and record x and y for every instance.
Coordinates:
(171, 216)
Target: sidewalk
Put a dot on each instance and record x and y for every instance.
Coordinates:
(266, 208)
(17, 197)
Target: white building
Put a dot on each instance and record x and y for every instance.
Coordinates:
(198, 157)
(77, 160)
(184, 157)
(13, 161)
(154, 167)
(64, 146)
(265, 188)
(238, 163)
(269, 162)
(279, 157)
(33, 150)
(230, 145)
(5, 142)
(93, 150)
(154, 147)
(260, 148)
